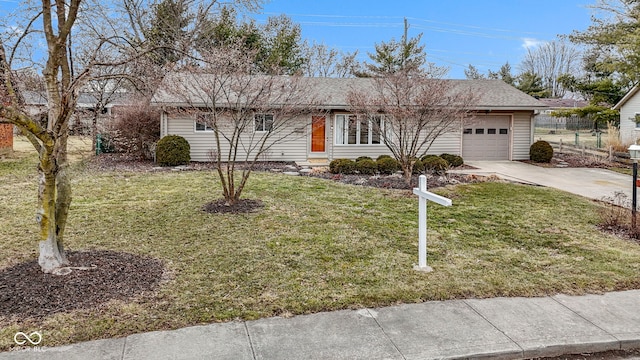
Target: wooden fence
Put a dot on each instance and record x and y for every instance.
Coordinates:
(603, 154)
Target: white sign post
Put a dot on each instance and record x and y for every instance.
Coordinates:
(424, 195)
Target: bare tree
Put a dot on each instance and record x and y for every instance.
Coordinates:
(410, 111)
(322, 61)
(550, 61)
(248, 114)
(49, 138)
(58, 23)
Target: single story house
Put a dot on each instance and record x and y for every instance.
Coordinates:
(502, 129)
(629, 107)
(80, 122)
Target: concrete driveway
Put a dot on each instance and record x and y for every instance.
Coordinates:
(595, 184)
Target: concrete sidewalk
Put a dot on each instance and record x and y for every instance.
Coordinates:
(592, 183)
(505, 328)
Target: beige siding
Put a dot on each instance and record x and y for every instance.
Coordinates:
(521, 135)
(628, 130)
(293, 148)
(446, 143)
(297, 146)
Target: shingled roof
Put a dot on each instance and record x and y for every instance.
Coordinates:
(492, 94)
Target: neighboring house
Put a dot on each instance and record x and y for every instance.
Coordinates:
(80, 123)
(543, 119)
(502, 129)
(629, 107)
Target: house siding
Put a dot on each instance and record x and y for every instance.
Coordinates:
(629, 133)
(293, 148)
(446, 143)
(297, 146)
(522, 136)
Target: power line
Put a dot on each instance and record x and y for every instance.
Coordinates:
(401, 18)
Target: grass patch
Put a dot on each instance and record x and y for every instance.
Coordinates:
(317, 245)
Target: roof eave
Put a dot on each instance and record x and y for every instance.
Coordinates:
(626, 98)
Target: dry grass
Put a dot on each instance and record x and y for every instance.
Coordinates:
(612, 139)
(79, 148)
(317, 245)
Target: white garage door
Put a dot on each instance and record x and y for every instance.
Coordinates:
(487, 139)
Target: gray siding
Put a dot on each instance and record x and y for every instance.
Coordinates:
(293, 148)
(521, 135)
(629, 133)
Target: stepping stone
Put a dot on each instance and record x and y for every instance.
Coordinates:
(291, 173)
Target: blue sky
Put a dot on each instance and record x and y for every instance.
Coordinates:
(484, 33)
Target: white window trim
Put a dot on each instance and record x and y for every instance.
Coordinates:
(263, 120)
(207, 128)
(342, 132)
(635, 117)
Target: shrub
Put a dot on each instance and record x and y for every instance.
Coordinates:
(383, 157)
(135, 130)
(427, 157)
(541, 152)
(418, 167)
(453, 160)
(363, 158)
(366, 166)
(173, 150)
(342, 166)
(435, 164)
(388, 165)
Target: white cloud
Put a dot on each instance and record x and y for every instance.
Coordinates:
(530, 43)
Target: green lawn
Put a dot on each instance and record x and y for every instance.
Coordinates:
(317, 245)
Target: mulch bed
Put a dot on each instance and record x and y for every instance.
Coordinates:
(27, 292)
(396, 181)
(575, 160)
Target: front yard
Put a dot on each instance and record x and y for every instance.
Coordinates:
(316, 245)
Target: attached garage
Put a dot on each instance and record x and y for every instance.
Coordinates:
(502, 129)
(487, 139)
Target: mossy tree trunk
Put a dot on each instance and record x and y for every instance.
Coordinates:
(49, 137)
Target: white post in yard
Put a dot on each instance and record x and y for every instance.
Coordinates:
(424, 195)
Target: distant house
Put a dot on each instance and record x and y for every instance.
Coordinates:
(544, 119)
(80, 123)
(629, 107)
(502, 130)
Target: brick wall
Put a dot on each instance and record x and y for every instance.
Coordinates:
(6, 138)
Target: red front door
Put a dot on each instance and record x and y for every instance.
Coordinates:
(317, 133)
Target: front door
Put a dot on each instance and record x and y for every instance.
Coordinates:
(318, 138)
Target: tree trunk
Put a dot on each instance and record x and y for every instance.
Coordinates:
(53, 205)
(407, 172)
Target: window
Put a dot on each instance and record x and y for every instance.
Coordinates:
(468, 131)
(354, 130)
(504, 131)
(264, 122)
(203, 122)
(491, 131)
(479, 131)
(636, 118)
